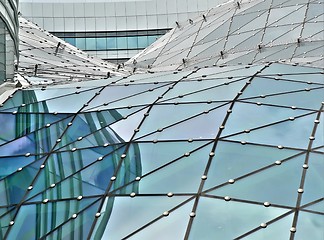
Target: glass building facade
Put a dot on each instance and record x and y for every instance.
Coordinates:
(8, 38)
(180, 150)
(114, 30)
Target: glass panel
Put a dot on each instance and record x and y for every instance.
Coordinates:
(170, 227)
(125, 212)
(142, 41)
(188, 129)
(278, 229)
(12, 188)
(91, 44)
(309, 226)
(77, 228)
(132, 42)
(234, 218)
(111, 43)
(101, 43)
(305, 99)
(227, 163)
(90, 179)
(34, 221)
(284, 134)
(122, 42)
(181, 176)
(268, 185)
(72, 41)
(80, 43)
(314, 177)
(317, 207)
(203, 91)
(265, 86)
(175, 113)
(248, 116)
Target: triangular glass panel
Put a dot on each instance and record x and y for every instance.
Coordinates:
(251, 116)
(233, 160)
(310, 99)
(125, 213)
(235, 218)
(291, 14)
(319, 135)
(181, 176)
(314, 179)
(125, 129)
(279, 229)
(268, 185)
(81, 180)
(188, 129)
(165, 228)
(40, 141)
(219, 92)
(317, 207)
(20, 124)
(12, 189)
(289, 133)
(309, 226)
(264, 86)
(244, 20)
(76, 228)
(176, 113)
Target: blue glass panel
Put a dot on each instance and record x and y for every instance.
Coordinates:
(310, 226)
(125, 212)
(228, 220)
(80, 43)
(101, 43)
(277, 184)
(112, 43)
(72, 41)
(151, 39)
(91, 44)
(142, 41)
(233, 160)
(289, 133)
(314, 177)
(122, 42)
(132, 42)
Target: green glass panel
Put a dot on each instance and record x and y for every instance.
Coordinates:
(35, 220)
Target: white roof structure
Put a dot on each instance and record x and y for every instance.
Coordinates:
(242, 32)
(46, 59)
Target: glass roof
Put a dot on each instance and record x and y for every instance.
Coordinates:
(241, 32)
(166, 153)
(201, 152)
